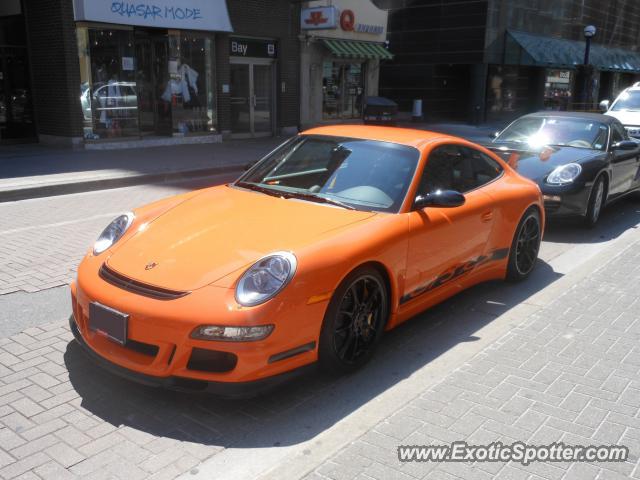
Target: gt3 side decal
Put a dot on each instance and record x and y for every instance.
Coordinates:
(456, 272)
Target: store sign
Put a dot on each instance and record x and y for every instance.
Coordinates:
(345, 19)
(251, 47)
(348, 24)
(318, 18)
(210, 15)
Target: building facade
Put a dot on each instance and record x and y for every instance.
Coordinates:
(492, 60)
(120, 73)
(342, 47)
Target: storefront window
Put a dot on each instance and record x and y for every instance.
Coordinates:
(190, 86)
(137, 82)
(557, 89)
(342, 90)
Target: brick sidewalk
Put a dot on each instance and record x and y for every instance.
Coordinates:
(570, 373)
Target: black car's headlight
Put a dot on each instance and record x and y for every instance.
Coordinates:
(114, 231)
(564, 174)
(265, 278)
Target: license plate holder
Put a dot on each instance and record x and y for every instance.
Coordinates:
(108, 322)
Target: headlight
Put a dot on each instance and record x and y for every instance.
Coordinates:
(232, 334)
(265, 278)
(564, 174)
(113, 233)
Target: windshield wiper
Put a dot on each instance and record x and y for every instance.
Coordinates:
(258, 188)
(312, 197)
(301, 195)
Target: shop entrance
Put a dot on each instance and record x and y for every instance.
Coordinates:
(251, 97)
(151, 77)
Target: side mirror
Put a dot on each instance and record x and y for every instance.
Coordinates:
(624, 145)
(604, 105)
(494, 135)
(249, 165)
(439, 198)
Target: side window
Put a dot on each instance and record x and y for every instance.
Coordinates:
(617, 133)
(484, 169)
(438, 172)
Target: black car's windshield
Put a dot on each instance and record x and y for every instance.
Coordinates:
(536, 132)
(352, 173)
(628, 101)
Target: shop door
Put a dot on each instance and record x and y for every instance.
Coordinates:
(251, 99)
(152, 76)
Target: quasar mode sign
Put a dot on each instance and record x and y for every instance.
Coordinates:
(211, 15)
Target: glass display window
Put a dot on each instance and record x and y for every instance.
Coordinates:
(142, 81)
(342, 90)
(190, 85)
(108, 94)
(557, 89)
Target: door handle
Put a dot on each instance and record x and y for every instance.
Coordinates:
(253, 100)
(487, 216)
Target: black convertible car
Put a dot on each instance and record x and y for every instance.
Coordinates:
(581, 161)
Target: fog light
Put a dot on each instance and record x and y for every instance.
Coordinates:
(232, 334)
(552, 198)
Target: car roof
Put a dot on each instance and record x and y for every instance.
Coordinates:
(405, 136)
(594, 117)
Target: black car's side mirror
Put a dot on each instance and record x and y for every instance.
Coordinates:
(439, 198)
(494, 135)
(624, 145)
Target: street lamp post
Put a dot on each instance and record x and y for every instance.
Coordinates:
(589, 33)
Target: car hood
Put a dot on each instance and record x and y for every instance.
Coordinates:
(536, 164)
(626, 118)
(219, 231)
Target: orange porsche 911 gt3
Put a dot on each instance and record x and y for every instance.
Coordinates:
(339, 234)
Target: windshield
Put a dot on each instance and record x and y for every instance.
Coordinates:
(628, 101)
(537, 132)
(361, 174)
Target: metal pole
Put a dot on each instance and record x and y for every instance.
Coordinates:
(585, 90)
(587, 48)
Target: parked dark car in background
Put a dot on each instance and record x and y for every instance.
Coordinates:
(581, 161)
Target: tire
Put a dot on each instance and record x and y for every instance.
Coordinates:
(355, 314)
(525, 245)
(596, 202)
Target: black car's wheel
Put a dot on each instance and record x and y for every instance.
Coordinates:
(525, 246)
(596, 202)
(354, 321)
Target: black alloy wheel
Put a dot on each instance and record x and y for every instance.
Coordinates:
(596, 203)
(354, 321)
(525, 246)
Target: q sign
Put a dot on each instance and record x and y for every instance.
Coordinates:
(347, 20)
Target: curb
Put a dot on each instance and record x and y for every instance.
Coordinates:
(51, 190)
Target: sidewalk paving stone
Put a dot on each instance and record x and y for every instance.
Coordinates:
(556, 382)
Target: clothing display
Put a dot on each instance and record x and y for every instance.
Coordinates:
(174, 88)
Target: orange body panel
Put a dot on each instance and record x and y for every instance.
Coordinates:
(203, 241)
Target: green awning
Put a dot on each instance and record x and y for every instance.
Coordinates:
(524, 48)
(354, 49)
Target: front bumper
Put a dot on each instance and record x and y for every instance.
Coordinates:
(567, 201)
(161, 352)
(182, 384)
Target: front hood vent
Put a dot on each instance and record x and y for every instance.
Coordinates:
(114, 278)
